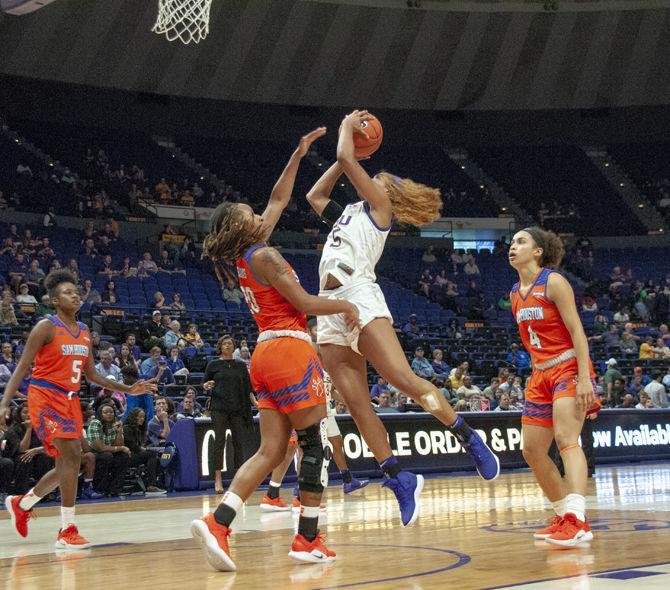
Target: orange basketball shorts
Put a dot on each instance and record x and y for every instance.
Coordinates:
(54, 414)
(287, 376)
(546, 386)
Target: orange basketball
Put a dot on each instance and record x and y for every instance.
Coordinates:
(364, 147)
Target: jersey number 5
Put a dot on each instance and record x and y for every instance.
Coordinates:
(76, 369)
(250, 299)
(534, 338)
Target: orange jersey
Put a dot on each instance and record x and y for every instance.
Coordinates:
(542, 330)
(269, 308)
(62, 361)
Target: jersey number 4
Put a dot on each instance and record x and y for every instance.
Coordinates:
(534, 338)
(250, 299)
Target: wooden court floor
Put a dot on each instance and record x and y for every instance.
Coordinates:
(471, 535)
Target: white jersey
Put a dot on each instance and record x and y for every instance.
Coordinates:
(353, 248)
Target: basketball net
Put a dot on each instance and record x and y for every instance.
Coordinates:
(186, 20)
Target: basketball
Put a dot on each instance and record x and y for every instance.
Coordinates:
(364, 147)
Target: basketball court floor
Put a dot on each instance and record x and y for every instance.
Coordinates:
(471, 535)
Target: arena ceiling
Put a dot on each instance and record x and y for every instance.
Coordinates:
(495, 56)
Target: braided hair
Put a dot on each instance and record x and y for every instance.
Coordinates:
(230, 234)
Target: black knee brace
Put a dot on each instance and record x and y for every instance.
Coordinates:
(316, 455)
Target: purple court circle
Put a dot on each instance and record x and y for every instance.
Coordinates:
(462, 558)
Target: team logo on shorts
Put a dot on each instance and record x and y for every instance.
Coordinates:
(318, 387)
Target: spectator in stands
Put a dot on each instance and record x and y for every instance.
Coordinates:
(491, 390)
(30, 460)
(166, 262)
(109, 294)
(512, 388)
(450, 295)
(175, 362)
(411, 329)
(635, 386)
(456, 376)
(191, 392)
(35, 274)
(611, 339)
(504, 303)
(600, 325)
(73, 267)
(639, 372)
(505, 404)
(18, 270)
(622, 316)
(664, 332)
(520, 359)
(159, 300)
(237, 354)
(441, 280)
(162, 373)
(589, 304)
(126, 269)
(7, 315)
(173, 337)
(425, 281)
(656, 391)
(193, 336)
(134, 436)
(440, 367)
(88, 294)
(24, 296)
(232, 294)
(245, 356)
(647, 348)
(177, 306)
(661, 350)
(44, 307)
(160, 425)
(341, 407)
(187, 409)
(428, 256)
(618, 392)
(106, 366)
(468, 390)
(611, 374)
(421, 365)
(105, 435)
(146, 266)
(153, 331)
(151, 362)
(125, 357)
(229, 384)
(105, 266)
(110, 397)
(7, 356)
(377, 388)
(131, 341)
(645, 402)
(471, 269)
(628, 345)
(385, 404)
(628, 401)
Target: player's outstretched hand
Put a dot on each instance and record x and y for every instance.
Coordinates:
(351, 317)
(142, 386)
(354, 122)
(308, 140)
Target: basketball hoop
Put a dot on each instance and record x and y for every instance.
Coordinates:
(186, 20)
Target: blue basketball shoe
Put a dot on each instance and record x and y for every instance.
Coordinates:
(486, 462)
(354, 485)
(407, 488)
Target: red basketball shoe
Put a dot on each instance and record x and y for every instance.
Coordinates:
(213, 537)
(311, 552)
(571, 532)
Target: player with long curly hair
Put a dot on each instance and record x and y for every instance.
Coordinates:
(347, 273)
(560, 389)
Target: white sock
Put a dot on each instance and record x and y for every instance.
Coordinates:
(274, 484)
(576, 504)
(29, 500)
(309, 511)
(559, 506)
(88, 479)
(66, 516)
(233, 501)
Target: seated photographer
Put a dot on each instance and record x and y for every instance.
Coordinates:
(134, 435)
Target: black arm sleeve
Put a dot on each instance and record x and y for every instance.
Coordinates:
(331, 213)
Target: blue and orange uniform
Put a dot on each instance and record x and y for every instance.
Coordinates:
(549, 343)
(286, 373)
(53, 393)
